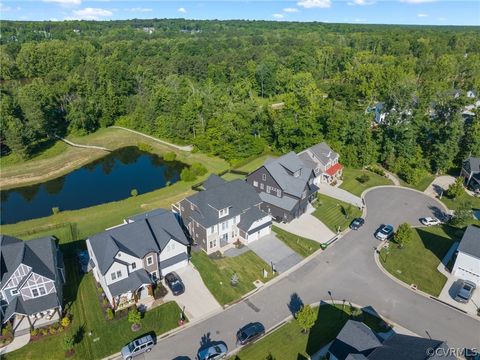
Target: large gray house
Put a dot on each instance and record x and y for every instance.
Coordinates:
(286, 185)
(471, 173)
(324, 162)
(128, 259)
(223, 213)
(32, 278)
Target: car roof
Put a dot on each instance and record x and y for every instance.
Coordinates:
(143, 340)
(252, 327)
(208, 350)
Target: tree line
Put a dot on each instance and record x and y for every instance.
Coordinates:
(235, 88)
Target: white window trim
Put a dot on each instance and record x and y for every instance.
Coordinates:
(264, 177)
(150, 260)
(14, 292)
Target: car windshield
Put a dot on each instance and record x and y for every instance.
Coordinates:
(243, 335)
(218, 350)
(467, 287)
(131, 347)
(385, 231)
(463, 295)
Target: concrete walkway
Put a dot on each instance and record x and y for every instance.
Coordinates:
(82, 146)
(17, 343)
(273, 250)
(179, 147)
(393, 177)
(439, 185)
(340, 194)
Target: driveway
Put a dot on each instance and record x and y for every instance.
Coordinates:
(274, 251)
(308, 226)
(197, 299)
(449, 292)
(340, 194)
(438, 185)
(347, 269)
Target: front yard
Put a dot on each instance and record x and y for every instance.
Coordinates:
(288, 342)
(333, 213)
(217, 272)
(107, 336)
(417, 262)
(452, 204)
(352, 184)
(302, 246)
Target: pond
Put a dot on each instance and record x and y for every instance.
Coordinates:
(110, 178)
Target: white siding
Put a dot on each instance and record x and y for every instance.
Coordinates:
(467, 268)
(116, 267)
(257, 235)
(172, 249)
(130, 260)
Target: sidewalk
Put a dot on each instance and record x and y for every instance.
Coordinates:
(17, 343)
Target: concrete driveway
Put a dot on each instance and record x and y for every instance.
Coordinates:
(197, 299)
(347, 269)
(273, 250)
(438, 185)
(308, 226)
(449, 292)
(340, 194)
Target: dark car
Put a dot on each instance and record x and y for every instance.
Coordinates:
(175, 284)
(357, 223)
(385, 232)
(465, 291)
(250, 333)
(213, 352)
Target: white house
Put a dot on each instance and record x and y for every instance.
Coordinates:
(324, 162)
(467, 263)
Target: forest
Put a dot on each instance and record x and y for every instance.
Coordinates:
(236, 89)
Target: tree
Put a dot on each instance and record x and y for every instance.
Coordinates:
(306, 318)
(456, 188)
(134, 318)
(403, 235)
(68, 342)
(462, 214)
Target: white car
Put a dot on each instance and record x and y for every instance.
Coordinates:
(429, 221)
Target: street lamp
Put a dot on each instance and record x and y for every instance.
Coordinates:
(330, 294)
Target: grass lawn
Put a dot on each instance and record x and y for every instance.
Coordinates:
(217, 272)
(288, 342)
(351, 184)
(255, 163)
(422, 184)
(302, 246)
(452, 204)
(231, 176)
(417, 262)
(108, 337)
(331, 212)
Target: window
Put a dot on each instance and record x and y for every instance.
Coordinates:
(119, 274)
(268, 189)
(14, 292)
(213, 243)
(223, 212)
(255, 183)
(264, 177)
(224, 225)
(35, 292)
(261, 186)
(150, 260)
(304, 194)
(42, 290)
(114, 277)
(134, 266)
(279, 193)
(191, 206)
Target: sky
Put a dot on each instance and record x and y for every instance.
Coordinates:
(422, 12)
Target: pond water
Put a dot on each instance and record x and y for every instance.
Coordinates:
(110, 178)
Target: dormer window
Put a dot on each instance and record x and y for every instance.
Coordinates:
(14, 292)
(297, 173)
(223, 212)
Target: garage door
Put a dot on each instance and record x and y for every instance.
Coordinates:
(258, 234)
(174, 267)
(467, 275)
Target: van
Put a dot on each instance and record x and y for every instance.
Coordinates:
(137, 347)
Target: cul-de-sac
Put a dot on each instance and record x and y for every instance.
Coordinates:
(239, 180)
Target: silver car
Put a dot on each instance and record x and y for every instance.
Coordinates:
(137, 347)
(465, 291)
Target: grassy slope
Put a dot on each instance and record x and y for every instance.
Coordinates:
(302, 246)
(417, 262)
(351, 184)
(254, 164)
(216, 274)
(422, 184)
(330, 212)
(287, 342)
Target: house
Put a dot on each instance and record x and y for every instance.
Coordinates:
(379, 112)
(324, 162)
(467, 263)
(223, 213)
(471, 173)
(356, 341)
(286, 186)
(130, 258)
(32, 279)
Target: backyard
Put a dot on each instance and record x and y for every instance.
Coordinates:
(217, 272)
(452, 204)
(302, 246)
(417, 262)
(288, 342)
(352, 184)
(333, 213)
(95, 337)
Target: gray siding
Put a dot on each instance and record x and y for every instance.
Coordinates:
(154, 267)
(198, 233)
(257, 176)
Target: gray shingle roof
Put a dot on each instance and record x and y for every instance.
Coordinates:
(249, 217)
(212, 181)
(149, 233)
(173, 260)
(285, 202)
(472, 164)
(470, 243)
(281, 170)
(355, 337)
(32, 306)
(237, 195)
(131, 283)
(356, 357)
(320, 152)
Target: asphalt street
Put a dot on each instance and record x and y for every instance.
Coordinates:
(347, 269)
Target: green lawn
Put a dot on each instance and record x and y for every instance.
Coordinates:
(302, 246)
(351, 184)
(255, 163)
(231, 176)
(331, 212)
(417, 262)
(422, 184)
(216, 274)
(107, 337)
(453, 204)
(288, 342)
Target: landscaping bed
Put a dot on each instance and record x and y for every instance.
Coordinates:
(335, 214)
(302, 246)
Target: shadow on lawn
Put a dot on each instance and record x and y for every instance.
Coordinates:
(437, 244)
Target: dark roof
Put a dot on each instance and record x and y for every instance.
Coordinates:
(355, 337)
(249, 217)
(31, 306)
(401, 347)
(356, 357)
(472, 164)
(150, 233)
(237, 195)
(320, 152)
(470, 243)
(130, 283)
(148, 214)
(173, 260)
(212, 181)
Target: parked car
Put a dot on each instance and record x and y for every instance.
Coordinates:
(429, 221)
(249, 333)
(465, 291)
(357, 223)
(175, 284)
(213, 352)
(385, 232)
(137, 347)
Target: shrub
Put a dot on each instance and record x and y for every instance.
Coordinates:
(145, 147)
(363, 178)
(169, 156)
(52, 330)
(198, 169)
(463, 214)
(55, 210)
(109, 313)
(187, 175)
(376, 169)
(306, 317)
(99, 289)
(65, 321)
(34, 332)
(7, 330)
(105, 302)
(455, 189)
(68, 342)
(403, 235)
(134, 192)
(134, 316)
(44, 331)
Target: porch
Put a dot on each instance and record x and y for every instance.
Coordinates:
(142, 298)
(23, 323)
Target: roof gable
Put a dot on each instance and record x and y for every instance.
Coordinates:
(470, 243)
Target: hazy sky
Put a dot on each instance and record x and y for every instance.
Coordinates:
(436, 12)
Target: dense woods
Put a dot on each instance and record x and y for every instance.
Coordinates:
(235, 88)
